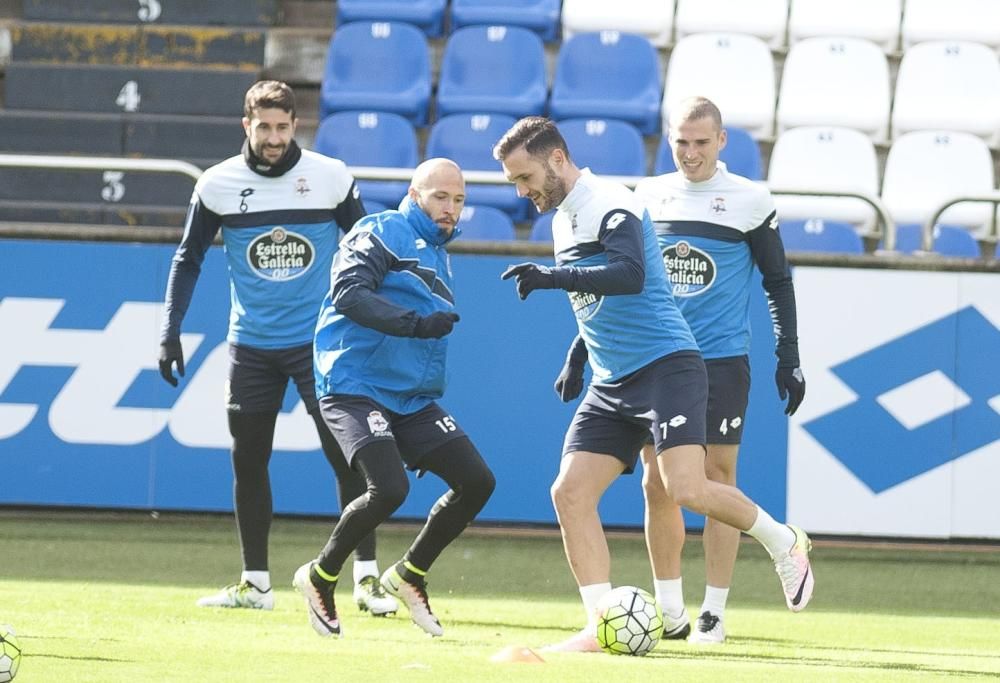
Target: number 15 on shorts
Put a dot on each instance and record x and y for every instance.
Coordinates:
(446, 424)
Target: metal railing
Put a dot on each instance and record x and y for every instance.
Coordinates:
(927, 234)
(100, 164)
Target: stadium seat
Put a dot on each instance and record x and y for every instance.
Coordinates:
(835, 82)
(964, 20)
(541, 229)
(824, 159)
(765, 19)
(63, 87)
(874, 20)
(513, 58)
(486, 223)
(816, 234)
(371, 139)
(606, 146)
(733, 70)
(372, 206)
(948, 86)
(949, 240)
(377, 66)
(741, 155)
(653, 19)
(468, 139)
(540, 16)
(216, 12)
(926, 168)
(427, 15)
(608, 75)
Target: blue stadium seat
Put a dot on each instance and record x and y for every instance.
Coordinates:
(741, 155)
(816, 234)
(540, 16)
(427, 15)
(377, 66)
(372, 206)
(949, 240)
(608, 75)
(498, 69)
(541, 229)
(468, 140)
(486, 223)
(371, 139)
(606, 146)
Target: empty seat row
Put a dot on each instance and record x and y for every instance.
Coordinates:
(216, 12)
(826, 81)
(776, 22)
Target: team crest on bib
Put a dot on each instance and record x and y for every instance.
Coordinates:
(377, 424)
(280, 255)
(691, 270)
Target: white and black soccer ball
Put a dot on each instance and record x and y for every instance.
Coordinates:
(629, 621)
(10, 654)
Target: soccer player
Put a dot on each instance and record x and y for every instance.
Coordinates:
(278, 207)
(380, 355)
(648, 375)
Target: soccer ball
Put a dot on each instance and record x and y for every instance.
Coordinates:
(10, 654)
(629, 621)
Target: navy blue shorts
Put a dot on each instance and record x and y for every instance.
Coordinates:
(356, 421)
(667, 397)
(258, 378)
(728, 392)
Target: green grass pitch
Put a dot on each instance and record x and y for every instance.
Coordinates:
(110, 597)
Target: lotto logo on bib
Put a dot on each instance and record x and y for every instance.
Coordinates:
(280, 255)
(691, 270)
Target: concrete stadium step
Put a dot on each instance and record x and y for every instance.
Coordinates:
(195, 12)
(183, 137)
(54, 186)
(90, 214)
(163, 46)
(61, 87)
(41, 132)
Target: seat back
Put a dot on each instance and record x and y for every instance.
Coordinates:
(486, 223)
(653, 19)
(513, 57)
(816, 234)
(540, 16)
(949, 240)
(377, 66)
(733, 70)
(427, 15)
(606, 146)
(972, 20)
(541, 229)
(765, 19)
(874, 20)
(741, 155)
(834, 159)
(608, 75)
(948, 86)
(371, 139)
(835, 82)
(926, 168)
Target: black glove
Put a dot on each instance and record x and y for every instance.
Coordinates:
(435, 326)
(529, 277)
(569, 383)
(170, 353)
(791, 384)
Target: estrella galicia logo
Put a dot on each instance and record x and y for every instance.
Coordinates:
(280, 254)
(691, 270)
(244, 193)
(922, 401)
(585, 305)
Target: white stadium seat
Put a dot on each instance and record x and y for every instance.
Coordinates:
(949, 86)
(825, 158)
(874, 20)
(653, 19)
(973, 20)
(766, 19)
(735, 71)
(835, 82)
(926, 168)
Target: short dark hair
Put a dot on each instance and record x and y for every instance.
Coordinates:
(269, 95)
(537, 134)
(694, 108)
